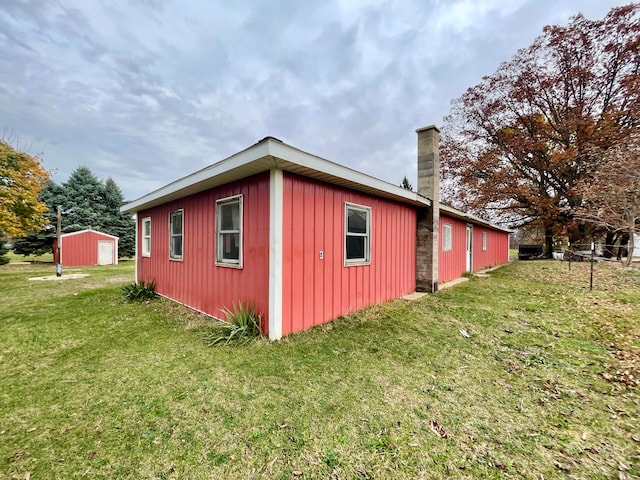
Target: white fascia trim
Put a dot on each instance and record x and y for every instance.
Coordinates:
(459, 214)
(304, 159)
(88, 230)
(251, 154)
(290, 157)
(276, 202)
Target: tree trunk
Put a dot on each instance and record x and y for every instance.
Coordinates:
(609, 241)
(631, 245)
(548, 241)
(623, 251)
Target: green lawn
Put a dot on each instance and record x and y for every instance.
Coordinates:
(45, 258)
(545, 387)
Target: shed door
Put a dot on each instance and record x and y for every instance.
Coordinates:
(105, 252)
(469, 247)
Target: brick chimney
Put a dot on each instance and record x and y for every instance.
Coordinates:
(427, 242)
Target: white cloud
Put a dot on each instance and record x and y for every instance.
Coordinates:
(149, 91)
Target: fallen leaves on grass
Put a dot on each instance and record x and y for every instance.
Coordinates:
(437, 429)
(626, 368)
(504, 471)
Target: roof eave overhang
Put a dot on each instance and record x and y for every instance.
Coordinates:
(466, 217)
(263, 156)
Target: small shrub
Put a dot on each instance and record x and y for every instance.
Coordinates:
(4, 259)
(140, 291)
(242, 325)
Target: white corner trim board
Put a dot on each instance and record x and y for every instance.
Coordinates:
(276, 199)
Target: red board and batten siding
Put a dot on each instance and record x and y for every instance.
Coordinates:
(318, 290)
(82, 248)
(196, 280)
(452, 264)
(497, 251)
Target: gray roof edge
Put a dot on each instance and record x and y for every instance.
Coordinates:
(273, 147)
(305, 159)
(472, 218)
(254, 152)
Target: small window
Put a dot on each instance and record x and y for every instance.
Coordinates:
(446, 237)
(357, 227)
(176, 230)
(484, 241)
(146, 237)
(229, 231)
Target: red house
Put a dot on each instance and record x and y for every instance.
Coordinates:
(306, 239)
(86, 247)
(484, 245)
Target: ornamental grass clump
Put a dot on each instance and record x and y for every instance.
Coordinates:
(242, 325)
(140, 291)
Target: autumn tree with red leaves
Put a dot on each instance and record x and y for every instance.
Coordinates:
(517, 145)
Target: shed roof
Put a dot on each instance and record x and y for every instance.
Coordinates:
(88, 230)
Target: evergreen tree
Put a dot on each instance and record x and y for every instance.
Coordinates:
(52, 195)
(35, 243)
(4, 259)
(83, 202)
(87, 203)
(118, 223)
(406, 184)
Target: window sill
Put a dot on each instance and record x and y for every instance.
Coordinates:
(357, 263)
(175, 259)
(237, 266)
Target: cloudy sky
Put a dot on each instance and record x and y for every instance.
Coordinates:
(148, 91)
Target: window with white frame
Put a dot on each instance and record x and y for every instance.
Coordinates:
(357, 228)
(146, 237)
(229, 231)
(446, 237)
(176, 234)
(484, 241)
